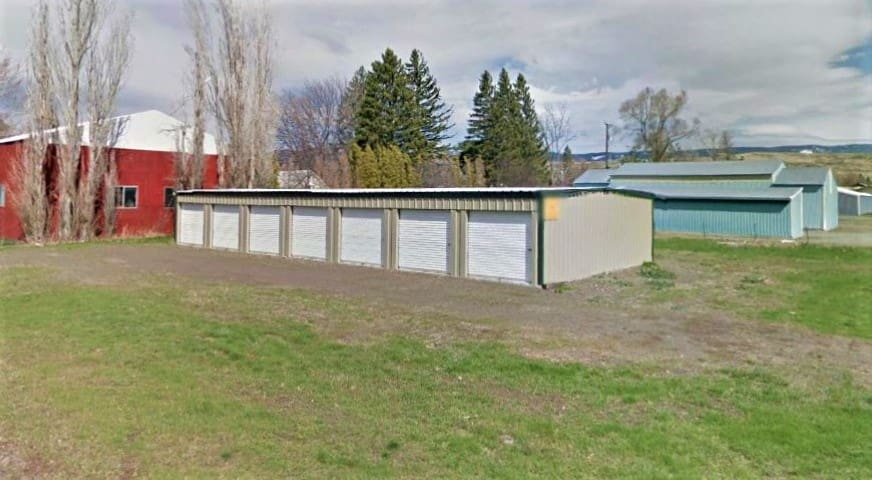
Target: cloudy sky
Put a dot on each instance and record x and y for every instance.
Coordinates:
(772, 71)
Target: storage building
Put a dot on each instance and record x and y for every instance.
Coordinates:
(530, 236)
(143, 155)
(731, 198)
(771, 212)
(819, 195)
(854, 203)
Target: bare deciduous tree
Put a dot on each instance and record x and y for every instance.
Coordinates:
(9, 82)
(79, 53)
(77, 22)
(652, 122)
(190, 163)
(557, 129)
(718, 145)
(107, 63)
(313, 131)
(31, 195)
(239, 84)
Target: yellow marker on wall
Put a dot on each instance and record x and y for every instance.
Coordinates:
(552, 209)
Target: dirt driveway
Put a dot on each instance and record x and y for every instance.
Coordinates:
(852, 231)
(611, 319)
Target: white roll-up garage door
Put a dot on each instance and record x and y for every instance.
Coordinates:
(423, 240)
(225, 226)
(361, 236)
(499, 246)
(309, 233)
(191, 224)
(264, 225)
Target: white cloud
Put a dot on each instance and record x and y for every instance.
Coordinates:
(759, 67)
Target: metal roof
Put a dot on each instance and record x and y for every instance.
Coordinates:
(855, 193)
(699, 169)
(802, 176)
(702, 193)
(393, 191)
(594, 175)
(150, 130)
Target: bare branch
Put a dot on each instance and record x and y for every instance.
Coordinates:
(557, 128)
(75, 71)
(240, 93)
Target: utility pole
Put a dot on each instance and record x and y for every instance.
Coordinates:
(607, 142)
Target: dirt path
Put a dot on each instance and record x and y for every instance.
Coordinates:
(610, 319)
(852, 231)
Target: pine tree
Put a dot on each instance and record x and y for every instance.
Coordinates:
(479, 120)
(350, 106)
(505, 133)
(503, 151)
(433, 115)
(532, 141)
(388, 111)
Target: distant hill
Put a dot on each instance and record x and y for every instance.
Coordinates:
(849, 148)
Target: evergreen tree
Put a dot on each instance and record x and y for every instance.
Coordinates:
(364, 167)
(382, 167)
(502, 151)
(350, 106)
(396, 167)
(433, 115)
(388, 111)
(532, 141)
(504, 131)
(479, 119)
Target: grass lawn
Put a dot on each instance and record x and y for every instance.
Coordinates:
(828, 289)
(170, 379)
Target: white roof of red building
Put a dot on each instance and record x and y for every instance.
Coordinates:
(150, 130)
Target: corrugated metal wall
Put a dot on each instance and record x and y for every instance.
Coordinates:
(596, 233)
(855, 204)
(731, 218)
(422, 203)
(849, 204)
(813, 207)
(797, 223)
(831, 202)
(865, 205)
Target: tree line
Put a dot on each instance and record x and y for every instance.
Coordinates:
(386, 126)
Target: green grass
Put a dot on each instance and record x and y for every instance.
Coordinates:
(828, 289)
(657, 276)
(204, 382)
(153, 240)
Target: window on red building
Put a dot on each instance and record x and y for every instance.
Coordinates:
(126, 197)
(169, 197)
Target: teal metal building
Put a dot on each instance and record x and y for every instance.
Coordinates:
(820, 199)
(771, 213)
(734, 198)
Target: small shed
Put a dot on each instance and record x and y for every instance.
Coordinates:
(820, 202)
(852, 202)
(531, 236)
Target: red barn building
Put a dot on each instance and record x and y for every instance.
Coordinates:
(144, 155)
